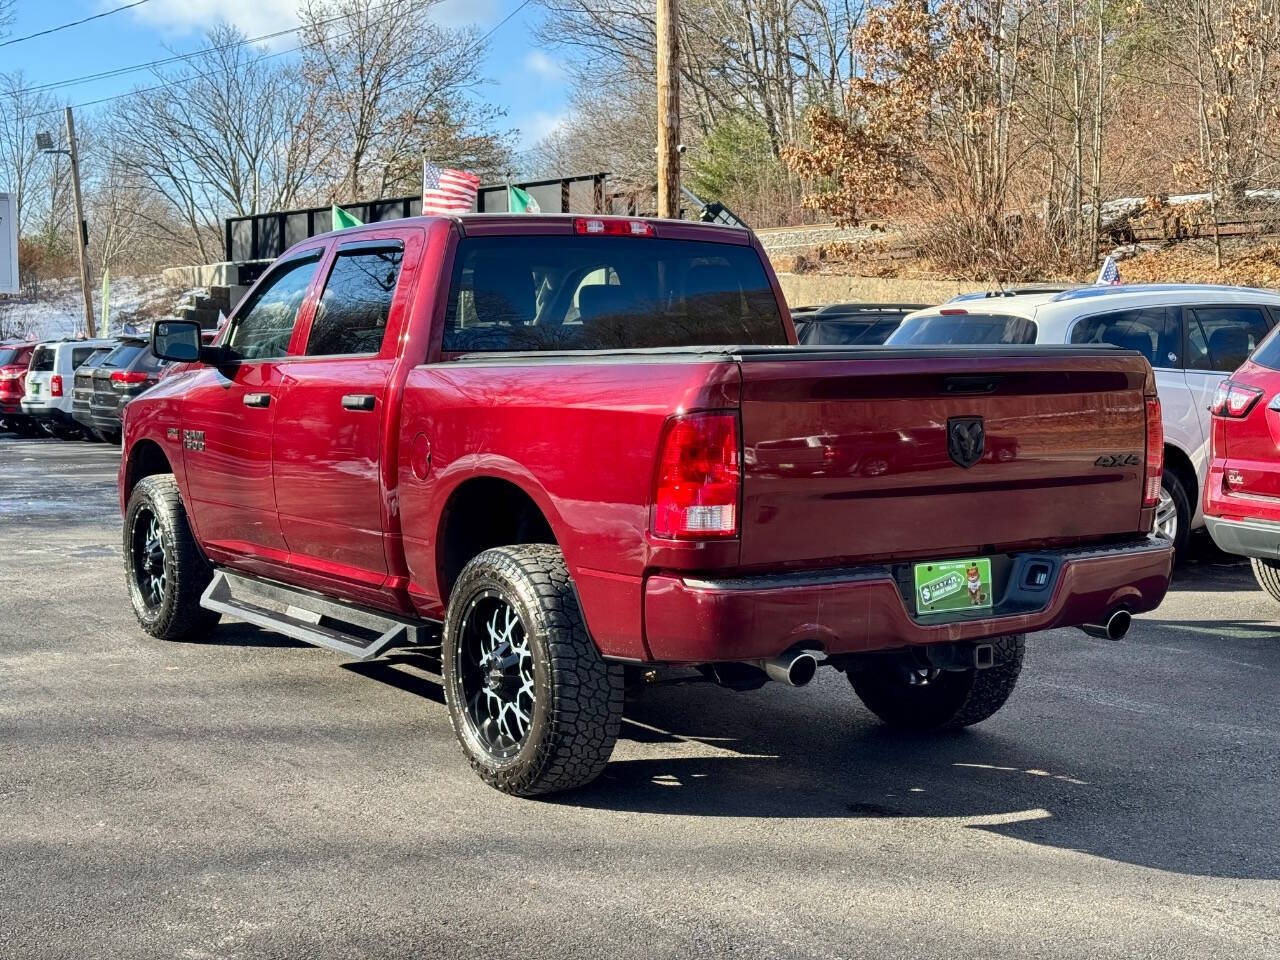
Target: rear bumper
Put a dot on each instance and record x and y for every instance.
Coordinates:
(863, 609)
(1246, 538)
(47, 413)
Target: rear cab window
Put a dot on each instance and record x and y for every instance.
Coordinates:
(593, 293)
(956, 329)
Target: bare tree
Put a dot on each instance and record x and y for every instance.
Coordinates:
(394, 84)
(23, 112)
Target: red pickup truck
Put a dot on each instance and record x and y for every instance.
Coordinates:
(558, 451)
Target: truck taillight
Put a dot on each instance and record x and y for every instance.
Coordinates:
(1234, 400)
(55, 386)
(1155, 453)
(699, 476)
(612, 227)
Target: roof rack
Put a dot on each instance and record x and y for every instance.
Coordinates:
(1018, 291)
(1103, 290)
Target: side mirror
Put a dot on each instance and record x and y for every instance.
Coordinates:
(176, 340)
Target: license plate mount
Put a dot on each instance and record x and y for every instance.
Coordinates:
(952, 586)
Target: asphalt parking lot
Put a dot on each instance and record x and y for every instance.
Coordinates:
(252, 797)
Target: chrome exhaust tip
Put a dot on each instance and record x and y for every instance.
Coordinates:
(1115, 627)
(795, 668)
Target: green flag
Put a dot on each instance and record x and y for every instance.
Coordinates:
(519, 201)
(342, 219)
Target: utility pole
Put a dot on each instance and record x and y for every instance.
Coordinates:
(668, 29)
(82, 228)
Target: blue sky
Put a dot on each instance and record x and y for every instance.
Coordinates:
(525, 80)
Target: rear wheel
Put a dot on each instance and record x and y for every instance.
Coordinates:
(919, 699)
(534, 705)
(164, 567)
(1267, 573)
(1173, 512)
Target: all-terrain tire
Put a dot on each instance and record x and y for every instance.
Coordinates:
(176, 613)
(578, 696)
(1267, 573)
(949, 699)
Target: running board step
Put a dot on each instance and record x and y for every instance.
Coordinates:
(308, 616)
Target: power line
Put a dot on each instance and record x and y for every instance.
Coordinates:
(302, 46)
(74, 23)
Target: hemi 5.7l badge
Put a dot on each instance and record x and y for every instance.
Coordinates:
(193, 439)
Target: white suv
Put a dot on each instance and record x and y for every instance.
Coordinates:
(50, 380)
(1194, 337)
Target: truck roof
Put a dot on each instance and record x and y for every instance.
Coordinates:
(513, 224)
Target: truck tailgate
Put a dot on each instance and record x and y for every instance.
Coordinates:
(861, 454)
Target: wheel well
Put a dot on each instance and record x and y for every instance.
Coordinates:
(146, 459)
(1180, 463)
(482, 513)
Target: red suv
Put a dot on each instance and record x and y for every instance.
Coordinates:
(1242, 497)
(14, 358)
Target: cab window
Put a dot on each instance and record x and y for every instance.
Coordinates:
(351, 317)
(1151, 331)
(262, 330)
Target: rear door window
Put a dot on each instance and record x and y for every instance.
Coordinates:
(596, 293)
(941, 329)
(1152, 331)
(351, 317)
(1220, 339)
(262, 330)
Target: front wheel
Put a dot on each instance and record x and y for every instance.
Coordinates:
(1267, 573)
(922, 699)
(164, 567)
(533, 704)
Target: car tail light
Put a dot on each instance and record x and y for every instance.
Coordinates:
(1155, 453)
(953, 311)
(1234, 400)
(123, 379)
(55, 385)
(613, 227)
(698, 478)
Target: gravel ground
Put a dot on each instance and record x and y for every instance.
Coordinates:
(250, 797)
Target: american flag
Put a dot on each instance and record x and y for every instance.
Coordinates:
(447, 191)
(1110, 273)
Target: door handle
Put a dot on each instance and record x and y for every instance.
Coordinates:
(257, 399)
(358, 401)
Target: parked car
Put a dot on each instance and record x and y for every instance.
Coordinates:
(849, 324)
(1193, 336)
(1242, 497)
(50, 380)
(82, 393)
(15, 358)
(536, 451)
(130, 369)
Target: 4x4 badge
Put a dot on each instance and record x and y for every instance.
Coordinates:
(966, 440)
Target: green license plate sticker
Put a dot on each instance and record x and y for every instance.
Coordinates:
(35, 389)
(953, 585)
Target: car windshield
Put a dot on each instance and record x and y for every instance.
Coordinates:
(589, 293)
(959, 329)
(863, 332)
(42, 359)
(123, 355)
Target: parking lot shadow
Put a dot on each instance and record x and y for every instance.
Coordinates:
(233, 633)
(1191, 812)
(391, 670)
